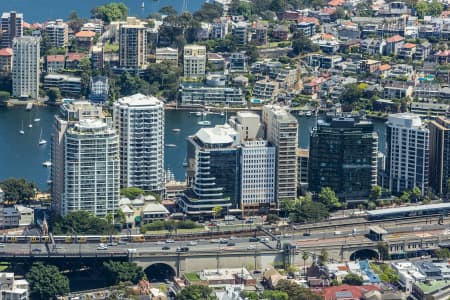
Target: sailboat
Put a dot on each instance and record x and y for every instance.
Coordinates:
(29, 124)
(21, 129)
(204, 122)
(41, 140)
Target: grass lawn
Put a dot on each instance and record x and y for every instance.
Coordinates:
(3, 266)
(191, 277)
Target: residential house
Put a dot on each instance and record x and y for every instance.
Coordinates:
(55, 63)
(407, 51)
(280, 33)
(6, 60)
(372, 46)
(397, 89)
(85, 39)
(393, 44)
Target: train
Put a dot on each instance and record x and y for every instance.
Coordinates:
(438, 209)
(137, 238)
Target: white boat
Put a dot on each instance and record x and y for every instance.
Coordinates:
(41, 140)
(29, 106)
(308, 114)
(49, 181)
(204, 122)
(47, 163)
(30, 125)
(198, 113)
(176, 130)
(21, 129)
(36, 120)
(143, 5)
(171, 145)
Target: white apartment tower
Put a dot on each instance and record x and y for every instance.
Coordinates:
(25, 75)
(139, 121)
(407, 150)
(58, 33)
(12, 27)
(133, 44)
(91, 168)
(282, 132)
(194, 62)
(257, 160)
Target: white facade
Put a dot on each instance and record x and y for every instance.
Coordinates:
(194, 63)
(407, 153)
(167, 54)
(25, 75)
(12, 289)
(257, 174)
(58, 33)
(282, 132)
(91, 168)
(139, 121)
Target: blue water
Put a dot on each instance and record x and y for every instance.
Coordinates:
(42, 10)
(22, 157)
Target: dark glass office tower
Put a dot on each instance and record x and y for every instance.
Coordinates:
(343, 157)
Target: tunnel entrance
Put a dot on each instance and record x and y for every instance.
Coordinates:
(159, 272)
(364, 254)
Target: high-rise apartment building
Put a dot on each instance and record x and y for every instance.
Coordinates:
(91, 164)
(407, 151)
(133, 44)
(58, 33)
(257, 164)
(212, 172)
(194, 61)
(70, 114)
(343, 157)
(25, 75)
(439, 155)
(12, 27)
(282, 132)
(139, 121)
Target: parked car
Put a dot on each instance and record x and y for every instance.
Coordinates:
(165, 248)
(182, 249)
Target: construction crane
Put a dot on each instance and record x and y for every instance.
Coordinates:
(299, 60)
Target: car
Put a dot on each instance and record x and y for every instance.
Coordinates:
(306, 234)
(160, 243)
(2, 245)
(231, 244)
(165, 248)
(251, 247)
(253, 239)
(249, 222)
(264, 240)
(233, 237)
(167, 281)
(169, 241)
(223, 241)
(193, 243)
(182, 249)
(104, 247)
(37, 250)
(214, 241)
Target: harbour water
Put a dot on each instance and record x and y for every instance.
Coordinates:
(43, 10)
(21, 155)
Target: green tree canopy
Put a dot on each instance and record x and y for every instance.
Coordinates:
(18, 190)
(196, 292)
(328, 198)
(375, 192)
(117, 271)
(353, 279)
(53, 94)
(131, 192)
(307, 211)
(442, 253)
(296, 292)
(302, 44)
(167, 10)
(4, 96)
(110, 12)
(46, 282)
(208, 12)
(266, 295)
(81, 222)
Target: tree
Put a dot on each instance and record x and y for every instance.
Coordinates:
(296, 292)
(328, 198)
(383, 251)
(131, 192)
(196, 292)
(4, 96)
(302, 44)
(81, 222)
(117, 271)
(121, 218)
(168, 10)
(46, 282)
(53, 94)
(353, 279)
(110, 12)
(323, 256)
(266, 295)
(18, 190)
(415, 194)
(308, 211)
(272, 219)
(305, 257)
(208, 12)
(375, 193)
(216, 211)
(442, 253)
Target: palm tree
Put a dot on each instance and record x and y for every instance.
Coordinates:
(305, 256)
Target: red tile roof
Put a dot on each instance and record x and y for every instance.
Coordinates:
(329, 293)
(409, 45)
(336, 2)
(85, 34)
(55, 58)
(6, 52)
(384, 67)
(75, 56)
(444, 53)
(308, 20)
(328, 10)
(395, 39)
